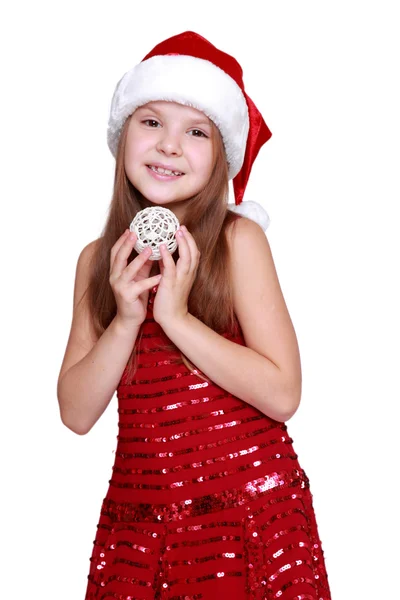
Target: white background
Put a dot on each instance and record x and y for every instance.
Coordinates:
(325, 76)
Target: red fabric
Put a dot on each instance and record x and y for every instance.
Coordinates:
(207, 498)
(193, 44)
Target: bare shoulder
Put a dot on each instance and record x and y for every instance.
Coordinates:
(258, 299)
(82, 336)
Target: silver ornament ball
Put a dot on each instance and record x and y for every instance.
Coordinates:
(155, 225)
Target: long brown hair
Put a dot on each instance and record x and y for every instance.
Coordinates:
(206, 217)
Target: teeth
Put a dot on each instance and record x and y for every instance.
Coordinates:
(164, 171)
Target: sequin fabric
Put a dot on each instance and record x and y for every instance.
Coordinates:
(206, 499)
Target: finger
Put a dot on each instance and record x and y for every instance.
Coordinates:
(117, 246)
(185, 260)
(131, 270)
(195, 252)
(146, 284)
(167, 261)
(190, 240)
(120, 252)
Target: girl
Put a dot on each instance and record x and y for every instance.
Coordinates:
(207, 498)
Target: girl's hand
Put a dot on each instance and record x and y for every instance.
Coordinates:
(130, 283)
(170, 302)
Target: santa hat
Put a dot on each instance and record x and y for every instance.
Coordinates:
(188, 69)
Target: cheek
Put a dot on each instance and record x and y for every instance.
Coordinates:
(206, 161)
(135, 153)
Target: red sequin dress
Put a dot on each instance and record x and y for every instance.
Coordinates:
(207, 498)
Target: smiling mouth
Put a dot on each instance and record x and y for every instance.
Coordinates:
(161, 171)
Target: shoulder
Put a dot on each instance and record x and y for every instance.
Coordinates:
(88, 251)
(83, 267)
(83, 270)
(243, 227)
(248, 245)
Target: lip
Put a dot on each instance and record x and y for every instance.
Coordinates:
(161, 177)
(169, 167)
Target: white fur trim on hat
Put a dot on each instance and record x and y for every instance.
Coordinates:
(191, 81)
(252, 210)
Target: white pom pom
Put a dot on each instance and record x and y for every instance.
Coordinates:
(153, 226)
(252, 210)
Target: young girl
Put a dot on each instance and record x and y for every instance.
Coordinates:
(207, 498)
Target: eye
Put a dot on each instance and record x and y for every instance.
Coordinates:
(150, 121)
(202, 134)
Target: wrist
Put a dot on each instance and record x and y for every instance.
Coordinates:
(125, 327)
(174, 323)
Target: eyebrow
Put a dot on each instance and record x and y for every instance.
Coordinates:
(195, 119)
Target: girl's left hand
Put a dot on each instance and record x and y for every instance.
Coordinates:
(171, 299)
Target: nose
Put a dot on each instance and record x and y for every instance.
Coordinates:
(169, 143)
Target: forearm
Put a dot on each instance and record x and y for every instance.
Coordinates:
(235, 368)
(86, 389)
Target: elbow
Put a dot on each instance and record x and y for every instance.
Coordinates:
(290, 404)
(286, 403)
(77, 427)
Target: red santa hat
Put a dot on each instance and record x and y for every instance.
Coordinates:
(188, 69)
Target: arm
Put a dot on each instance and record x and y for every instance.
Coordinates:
(92, 366)
(86, 389)
(235, 368)
(266, 372)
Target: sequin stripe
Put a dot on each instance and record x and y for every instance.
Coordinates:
(187, 597)
(147, 350)
(288, 547)
(197, 464)
(210, 503)
(176, 405)
(291, 565)
(210, 540)
(132, 546)
(190, 432)
(201, 447)
(174, 390)
(163, 379)
(183, 529)
(278, 595)
(283, 515)
(129, 580)
(130, 563)
(126, 471)
(284, 532)
(120, 527)
(157, 363)
(193, 480)
(208, 577)
(176, 529)
(188, 419)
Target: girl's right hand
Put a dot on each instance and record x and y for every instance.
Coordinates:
(131, 283)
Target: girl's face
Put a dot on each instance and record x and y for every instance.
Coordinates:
(174, 137)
